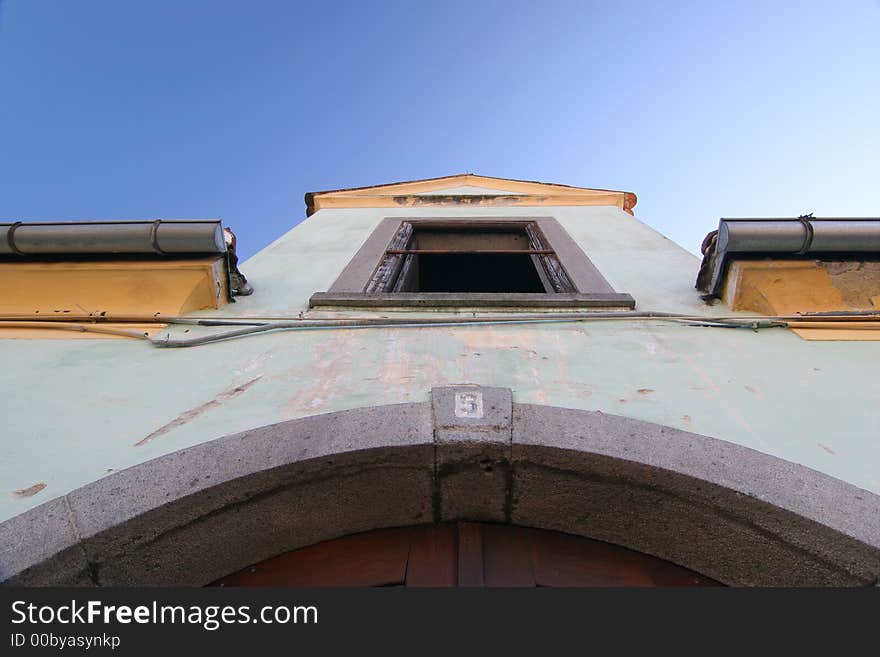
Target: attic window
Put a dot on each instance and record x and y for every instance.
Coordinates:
(491, 258)
(471, 262)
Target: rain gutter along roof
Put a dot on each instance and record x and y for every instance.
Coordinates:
(795, 237)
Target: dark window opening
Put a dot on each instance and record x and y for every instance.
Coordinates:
(509, 258)
(468, 272)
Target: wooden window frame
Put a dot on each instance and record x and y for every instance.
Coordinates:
(583, 286)
(391, 273)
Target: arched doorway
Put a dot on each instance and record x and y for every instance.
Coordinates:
(192, 516)
(464, 554)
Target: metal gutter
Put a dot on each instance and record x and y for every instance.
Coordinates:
(305, 319)
(159, 237)
(801, 236)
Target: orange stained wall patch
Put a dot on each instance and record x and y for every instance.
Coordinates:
(788, 287)
(139, 288)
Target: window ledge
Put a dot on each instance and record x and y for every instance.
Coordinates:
(471, 300)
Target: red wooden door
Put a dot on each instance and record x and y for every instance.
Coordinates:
(464, 554)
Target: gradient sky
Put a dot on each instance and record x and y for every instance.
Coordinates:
(128, 109)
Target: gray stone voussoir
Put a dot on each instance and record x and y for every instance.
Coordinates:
(729, 512)
(192, 516)
(470, 412)
(472, 429)
(41, 546)
(160, 522)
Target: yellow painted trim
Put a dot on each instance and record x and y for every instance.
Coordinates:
(49, 333)
(845, 335)
(121, 287)
(786, 287)
(530, 200)
(790, 287)
(530, 193)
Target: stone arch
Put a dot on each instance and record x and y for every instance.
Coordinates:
(728, 512)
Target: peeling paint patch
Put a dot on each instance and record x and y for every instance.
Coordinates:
(711, 389)
(641, 392)
(827, 449)
(582, 390)
(252, 364)
(193, 413)
(334, 359)
(415, 200)
(29, 491)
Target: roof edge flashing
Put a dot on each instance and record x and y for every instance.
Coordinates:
(791, 237)
(158, 237)
(420, 192)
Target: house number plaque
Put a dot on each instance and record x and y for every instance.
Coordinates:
(469, 404)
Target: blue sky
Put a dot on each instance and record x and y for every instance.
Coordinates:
(190, 109)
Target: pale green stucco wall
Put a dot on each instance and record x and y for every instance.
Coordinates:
(74, 409)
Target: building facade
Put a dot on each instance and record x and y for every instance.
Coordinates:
(458, 360)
